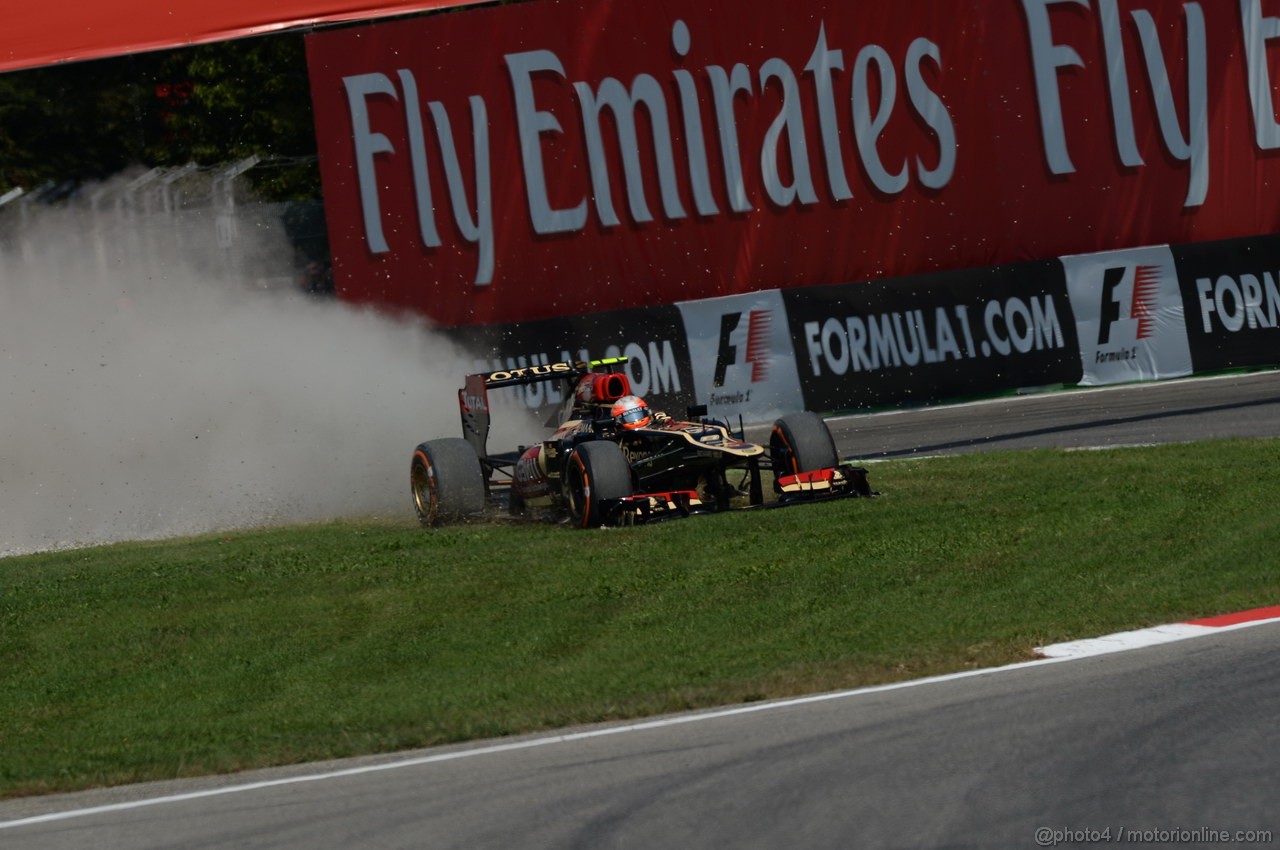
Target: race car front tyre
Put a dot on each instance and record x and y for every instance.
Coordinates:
(595, 473)
(801, 442)
(446, 481)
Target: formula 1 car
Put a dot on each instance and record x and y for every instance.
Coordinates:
(597, 469)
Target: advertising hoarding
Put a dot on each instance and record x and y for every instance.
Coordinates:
(545, 159)
(934, 337)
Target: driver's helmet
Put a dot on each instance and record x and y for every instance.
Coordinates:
(631, 412)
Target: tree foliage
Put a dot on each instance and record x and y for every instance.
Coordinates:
(69, 122)
(208, 104)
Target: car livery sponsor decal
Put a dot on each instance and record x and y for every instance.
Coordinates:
(1129, 315)
(536, 372)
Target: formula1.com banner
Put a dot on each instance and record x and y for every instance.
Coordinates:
(935, 337)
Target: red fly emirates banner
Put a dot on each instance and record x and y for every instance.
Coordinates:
(556, 158)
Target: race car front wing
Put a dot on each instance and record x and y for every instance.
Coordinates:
(831, 483)
(837, 482)
(647, 507)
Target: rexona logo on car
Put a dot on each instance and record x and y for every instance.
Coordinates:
(741, 355)
(1129, 315)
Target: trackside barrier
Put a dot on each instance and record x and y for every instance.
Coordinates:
(1137, 314)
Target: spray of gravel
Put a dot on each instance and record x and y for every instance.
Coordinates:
(150, 387)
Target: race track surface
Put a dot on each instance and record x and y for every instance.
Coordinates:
(1175, 737)
(1168, 412)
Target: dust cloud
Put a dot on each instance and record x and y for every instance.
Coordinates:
(151, 387)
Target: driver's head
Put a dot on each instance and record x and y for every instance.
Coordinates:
(631, 412)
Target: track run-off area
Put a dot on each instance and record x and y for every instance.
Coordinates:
(1164, 744)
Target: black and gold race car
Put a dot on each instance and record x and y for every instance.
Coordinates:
(611, 461)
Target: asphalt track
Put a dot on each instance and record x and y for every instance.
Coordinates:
(1180, 737)
(1246, 405)
(1175, 737)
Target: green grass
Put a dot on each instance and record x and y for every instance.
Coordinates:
(155, 660)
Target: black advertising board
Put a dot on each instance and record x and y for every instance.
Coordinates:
(933, 337)
(653, 339)
(1231, 295)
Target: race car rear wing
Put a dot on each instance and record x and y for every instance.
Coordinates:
(473, 398)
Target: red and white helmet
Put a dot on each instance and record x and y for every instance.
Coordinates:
(631, 412)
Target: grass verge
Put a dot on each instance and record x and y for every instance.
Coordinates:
(156, 660)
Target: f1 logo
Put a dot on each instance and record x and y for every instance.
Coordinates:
(1146, 292)
(759, 324)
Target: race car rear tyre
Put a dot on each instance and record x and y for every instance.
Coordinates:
(446, 481)
(595, 473)
(801, 442)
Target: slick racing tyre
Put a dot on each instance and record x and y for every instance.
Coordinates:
(595, 473)
(801, 442)
(446, 480)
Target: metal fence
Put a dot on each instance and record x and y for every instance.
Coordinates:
(204, 217)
